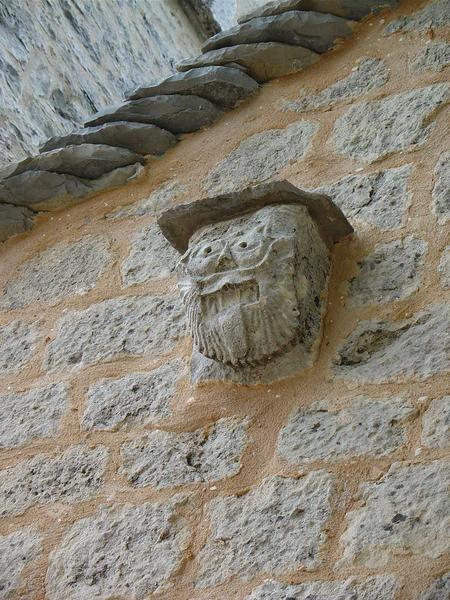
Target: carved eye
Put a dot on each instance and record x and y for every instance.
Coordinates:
(207, 250)
(243, 245)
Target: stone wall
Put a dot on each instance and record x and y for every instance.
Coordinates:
(119, 479)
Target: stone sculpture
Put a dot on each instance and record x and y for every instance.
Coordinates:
(253, 277)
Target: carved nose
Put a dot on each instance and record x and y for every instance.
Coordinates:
(225, 260)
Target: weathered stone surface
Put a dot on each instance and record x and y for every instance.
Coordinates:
(415, 348)
(141, 138)
(159, 200)
(391, 272)
(405, 513)
(16, 551)
(316, 31)
(164, 459)
(222, 86)
(444, 268)
(369, 74)
(137, 398)
(261, 156)
(128, 326)
(434, 57)
(436, 424)
(30, 415)
(13, 220)
(439, 589)
(367, 426)
(74, 476)
(42, 190)
(441, 190)
(373, 130)
(349, 9)
(58, 272)
(435, 14)
(263, 61)
(273, 528)
(374, 588)
(132, 553)
(151, 257)
(175, 113)
(17, 344)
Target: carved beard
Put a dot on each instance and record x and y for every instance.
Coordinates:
(241, 326)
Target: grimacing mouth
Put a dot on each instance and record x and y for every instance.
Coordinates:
(230, 295)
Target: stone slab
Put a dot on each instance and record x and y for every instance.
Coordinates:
(159, 200)
(263, 61)
(175, 113)
(141, 138)
(17, 345)
(434, 57)
(14, 220)
(436, 424)
(434, 14)
(441, 190)
(438, 590)
(226, 87)
(17, 550)
(444, 268)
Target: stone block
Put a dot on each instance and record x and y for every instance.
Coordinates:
(263, 61)
(369, 74)
(74, 476)
(13, 220)
(150, 257)
(31, 415)
(159, 200)
(412, 349)
(434, 57)
(441, 190)
(391, 272)
(376, 129)
(434, 14)
(380, 199)
(404, 514)
(436, 424)
(165, 459)
(57, 273)
(367, 426)
(261, 156)
(275, 528)
(444, 268)
(223, 86)
(175, 113)
(17, 550)
(17, 345)
(128, 326)
(141, 138)
(439, 589)
(137, 398)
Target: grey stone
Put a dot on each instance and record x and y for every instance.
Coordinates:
(404, 514)
(42, 190)
(133, 552)
(261, 156)
(263, 61)
(349, 9)
(369, 74)
(175, 113)
(436, 424)
(434, 57)
(373, 130)
(137, 398)
(439, 589)
(73, 476)
(315, 31)
(14, 220)
(434, 15)
(274, 528)
(159, 200)
(141, 138)
(380, 351)
(128, 326)
(89, 161)
(150, 257)
(31, 415)
(58, 272)
(367, 426)
(441, 190)
(17, 345)
(17, 550)
(391, 272)
(165, 459)
(444, 268)
(222, 86)
(374, 588)
(380, 199)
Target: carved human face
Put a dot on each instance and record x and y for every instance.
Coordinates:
(241, 288)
